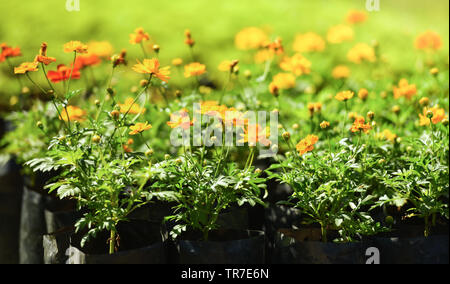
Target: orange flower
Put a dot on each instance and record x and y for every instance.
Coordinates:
(361, 52)
(139, 128)
(84, 61)
(72, 113)
(307, 145)
(63, 74)
(255, 133)
(127, 149)
(314, 107)
(151, 66)
(180, 119)
(75, 46)
(363, 94)
(194, 69)
(26, 67)
(355, 17)
(139, 36)
(276, 47)
(8, 52)
(296, 64)
(360, 125)
(429, 40)
(251, 38)
(188, 38)
(341, 72)
(438, 115)
(308, 42)
(284, 81)
(404, 89)
(339, 34)
(42, 56)
(131, 107)
(344, 96)
(274, 89)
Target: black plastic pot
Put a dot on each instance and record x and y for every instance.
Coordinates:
(10, 204)
(60, 214)
(141, 242)
(32, 227)
(293, 247)
(407, 245)
(223, 247)
(56, 246)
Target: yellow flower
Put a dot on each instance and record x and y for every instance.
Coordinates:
(264, 55)
(139, 36)
(251, 38)
(72, 113)
(131, 107)
(100, 48)
(324, 124)
(151, 66)
(438, 115)
(255, 133)
(361, 52)
(341, 72)
(404, 89)
(340, 33)
(180, 119)
(283, 81)
(177, 61)
(75, 46)
(296, 64)
(26, 67)
(139, 128)
(307, 145)
(308, 42)
(194, 69)
(228, 65)
(344, 96)
(387, 135)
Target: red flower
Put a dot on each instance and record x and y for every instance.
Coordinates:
(63, 74)
(86, 60)
(8, 51)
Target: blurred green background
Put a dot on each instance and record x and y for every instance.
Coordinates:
(213, 23)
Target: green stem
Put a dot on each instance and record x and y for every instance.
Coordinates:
(112, 242)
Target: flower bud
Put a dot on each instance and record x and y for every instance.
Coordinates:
(370, 115)
(62, 138)
(178, 93)
(96, 139)
(111, 91)
(149, 153)
(430, 114)
(396, 109)
(39, 125)
(434, 71)
(166, 157)
(389, 220)
(134, 89)
(156, 48)
(445, 122)
(25, 90)
(258, 171)
(143, 83)
(248, 74)
(286, 136)
(295, 126)
(381, 161)
(398, 140)
(115, 114)
(97, 102)
(424, 101)
(363, 94)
